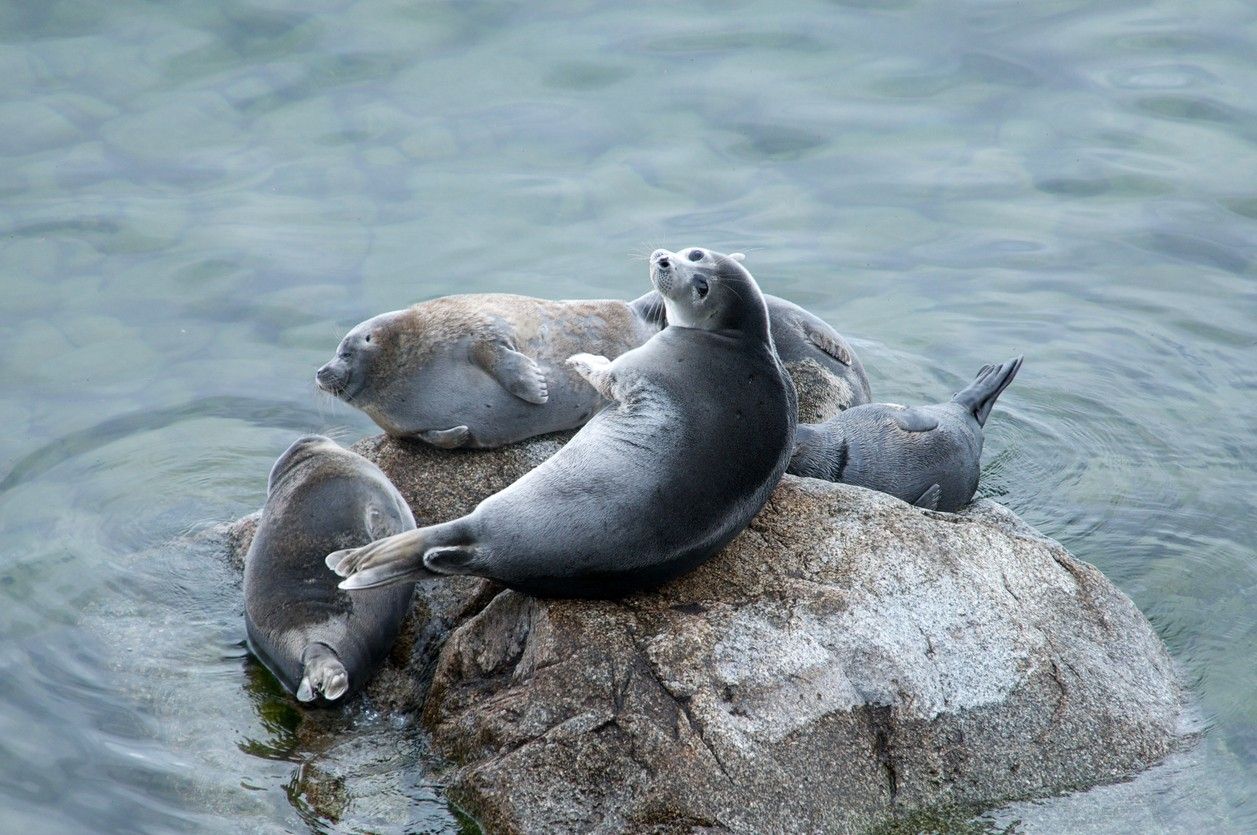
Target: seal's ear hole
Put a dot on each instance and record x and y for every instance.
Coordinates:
(737, 256)
(368, 337)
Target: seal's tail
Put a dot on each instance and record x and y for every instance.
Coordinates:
(322, 674)
(406, 557)
(980, 395)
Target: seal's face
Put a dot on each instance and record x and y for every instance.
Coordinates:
(704, 289)
(346, 375)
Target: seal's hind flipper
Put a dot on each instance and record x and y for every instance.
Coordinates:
(930, 498)
(450, 559)
(980, 395)
(914, 420)
(322, 674)
(447, 438)
(517, 372)
(825, 342)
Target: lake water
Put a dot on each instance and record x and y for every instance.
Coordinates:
(197, 199)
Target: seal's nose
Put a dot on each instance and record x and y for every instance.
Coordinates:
(325, 377)
(660, 258)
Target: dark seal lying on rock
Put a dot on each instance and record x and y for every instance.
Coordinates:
(847, 660)
(698, 431)
(318, 640)
(929, 456)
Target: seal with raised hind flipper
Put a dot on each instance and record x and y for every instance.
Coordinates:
(929, 456)
(319, 640)
(698, 432)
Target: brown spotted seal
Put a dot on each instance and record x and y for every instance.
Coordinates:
(479, 370)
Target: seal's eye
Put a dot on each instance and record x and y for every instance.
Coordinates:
(344, 355)
(700, 284)
(696, 255)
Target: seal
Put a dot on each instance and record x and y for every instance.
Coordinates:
(479, 370)
(925, 455)
(485, 370)
(699, 430)
(317, 639)
(806, 343)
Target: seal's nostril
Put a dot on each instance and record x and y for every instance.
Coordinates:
(663, 262)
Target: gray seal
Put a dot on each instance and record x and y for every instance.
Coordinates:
(805, 342)
(485, 370)
(479, 370)
(317, 639)
(698, 432)
(925, 455)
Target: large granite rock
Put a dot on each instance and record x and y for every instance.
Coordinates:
(847, 660)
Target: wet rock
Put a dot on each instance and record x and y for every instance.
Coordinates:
(846, 661)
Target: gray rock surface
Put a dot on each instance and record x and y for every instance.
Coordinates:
(847, 660)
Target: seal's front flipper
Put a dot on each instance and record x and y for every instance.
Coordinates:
(930, 498)
(447, 438)
(322, 674)
(517, 372)
(826, 342)
(597, 371)
(914, 420)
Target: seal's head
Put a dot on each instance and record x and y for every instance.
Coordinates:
(348, 372)
(349, 490)
(300, 451)
(707, 290)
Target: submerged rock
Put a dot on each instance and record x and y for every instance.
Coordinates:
(847, 660)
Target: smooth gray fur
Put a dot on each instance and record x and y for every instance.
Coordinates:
(317, 639)
(699, 432)
(929, 456)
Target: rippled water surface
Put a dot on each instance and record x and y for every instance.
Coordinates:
(197, 199)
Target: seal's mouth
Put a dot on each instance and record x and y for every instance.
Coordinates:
(662, 272)
(334, 381)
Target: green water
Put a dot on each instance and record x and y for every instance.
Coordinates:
(197, 199)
